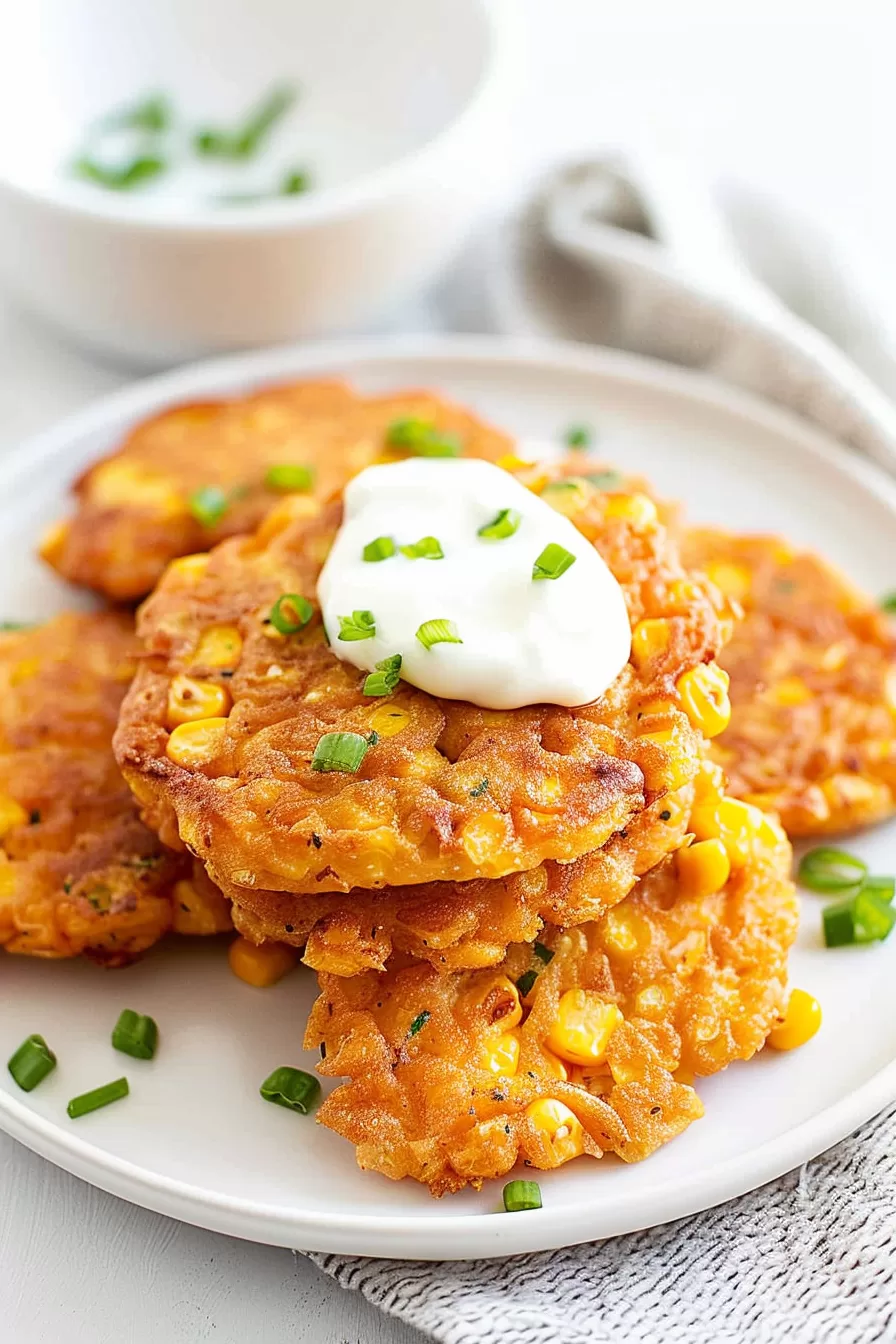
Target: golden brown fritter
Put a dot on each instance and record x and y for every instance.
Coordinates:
(448, 792)
(133, 510)
(813, 690)
(79, 872)
(454, 1079)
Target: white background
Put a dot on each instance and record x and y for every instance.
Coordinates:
(797, 97)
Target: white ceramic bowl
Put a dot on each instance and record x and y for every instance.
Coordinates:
(400, 122)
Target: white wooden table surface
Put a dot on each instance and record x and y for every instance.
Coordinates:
(796, 96)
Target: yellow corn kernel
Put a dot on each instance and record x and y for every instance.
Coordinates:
(650, 1000)
(554, 1066)
(498, 1001)
(834, 657)
(703, 868)
(846, 790)
(261, 964)
(559, 1127)
(189, 567)
(788, 691)
(24, 670)
(619, 931)
(510, 462)
(709, 783)
(650, 638)
(704, 697)
(658, 707)
(484, 836)
(677, 759)
(583, 1026)
(219, 646)
(735, 580)
(189, 699)
(120, 482)
(738, 825)
(801, 1020)
(684, 593)
(12, 814)
(52, 543)
(567, 500)
(199, 913)
(289, 510)
(501, 1054)
(197, 743)
(637, 509)
(549, 790)
(387, 720)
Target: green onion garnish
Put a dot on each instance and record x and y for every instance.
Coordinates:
(153, 115)
(7, 626)
(290, 613)
(421, 438)
(480, 789)
(386, 677)
(561, 487)
(419, 1022)
(120, 177)
(504, 524)
(863, 918)
(553, 561)
(543, 953)
(99, 1097)
(135, 1034)
(293, 1088)
(830, 870)
(289, 476)
(884, 888)
(888, 602)
(295, 183)
(604, 480)
(342, 752)
(243, 143)
(522, 1195)
(438, 632)
(31, 1063)
(209, 504)
(381, 548)
(579, 436)
(427, 548)
(526, 981)
(360, 625)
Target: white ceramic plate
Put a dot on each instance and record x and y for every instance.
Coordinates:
(194, 1140)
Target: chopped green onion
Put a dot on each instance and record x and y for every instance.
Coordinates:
(419, 1022)
(438, 632)
(863, 918)
(121, 177)
(604, 480)
(293, 1088)
(31, 1063)
(381, 548)
(480, 789)
(504, 524)
(290, 613)
(342, 752)
(522, 1195)
(560, 487)
(422, 438)
(135, 1034)
(153, 114)
(295, 183)
(579, 436)
(526, 981)
(209, 504)
(553, 561)
(830, 870)
(543, 953)
(289, 476)
(427, 548)
(100, 1096)
(888, 602)
(360, 625)
(386, 677)
(884, 888)
(243, 143)
(8, 626)
(837, 924)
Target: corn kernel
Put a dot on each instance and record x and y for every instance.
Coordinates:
(650, 1000)
(709, 783)
(24, 670)
(787, 692)
(554, 1066)
(219, 646)
(738, 825)
(52, 543)
(583, 1026)
(189, 699)
(484, 836)
(650, 638)
(636, 509)
(501, 1054)
(685, 593)
(120, 483)
(801, 1020)
(195, 744)
(498, 1001)
(846, 790)
(619, 931)
(12, 814)
(703, 868)
(199, 912)
(189, 567)
(734, 580)
(678, 765)
(704, 697)
(510, 462)
(559, 1127)
(387, 720)
(261, 964)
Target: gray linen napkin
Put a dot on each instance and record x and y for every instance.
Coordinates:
(810, 1258)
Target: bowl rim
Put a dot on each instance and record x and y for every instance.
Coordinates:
(500, 47)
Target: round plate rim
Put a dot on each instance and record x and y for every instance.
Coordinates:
(436, 1236)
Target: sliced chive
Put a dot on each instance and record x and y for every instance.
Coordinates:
(427, 548)
(245, 141)
(381, 548)
(419, 1022)
(360, 625)
(827, 869)
(543, 953)
(838, 925)
(293, 1088)
(504, 524)
(8, 626)
(99, 1097)
(119, 177)
(289, 476)
(209, 504)
(290, 613)
(153, 114)
(438, 632)
(579, 436)
(386, 677)
(421, 438)
(295, 183)
(480, 789)
(340, 752)
(526, 981)
(888, 602)
(553, 561)
(884, 888)
(31, 1063)
(604, 480)
(135, 1034)
(873, 917)
(562, 487)
(522, 1195)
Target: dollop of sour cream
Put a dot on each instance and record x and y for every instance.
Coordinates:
(560, 641)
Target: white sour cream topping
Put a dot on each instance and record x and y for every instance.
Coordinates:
(553, 641)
